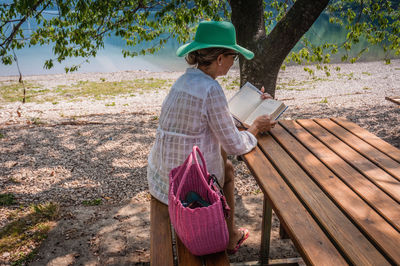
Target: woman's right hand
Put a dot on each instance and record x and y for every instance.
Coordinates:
(263, 123)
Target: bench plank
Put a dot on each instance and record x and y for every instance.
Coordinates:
(369, 221)
(373, 140)
(187, 258)
(384, 204)
(394, 99)
(381, 159)
(346, 236)
(306, 234)
(161, 252)
(378, 176)
(184, 256)
(217, 259)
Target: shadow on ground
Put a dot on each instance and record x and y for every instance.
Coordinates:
(104, 157)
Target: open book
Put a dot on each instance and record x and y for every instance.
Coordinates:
(246, 105)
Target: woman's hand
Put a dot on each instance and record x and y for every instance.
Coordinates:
(265, 95)
(263, 123)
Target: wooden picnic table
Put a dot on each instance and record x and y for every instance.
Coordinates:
(335, 188)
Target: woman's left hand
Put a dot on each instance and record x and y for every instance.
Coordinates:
(265, 95)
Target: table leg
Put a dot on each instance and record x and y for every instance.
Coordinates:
(265, 232)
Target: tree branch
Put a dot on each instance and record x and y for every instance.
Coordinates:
(361, 10)
(121, 21)
(15, 29)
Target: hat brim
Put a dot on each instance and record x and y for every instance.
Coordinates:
(193, 46)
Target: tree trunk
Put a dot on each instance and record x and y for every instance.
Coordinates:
(270, 51)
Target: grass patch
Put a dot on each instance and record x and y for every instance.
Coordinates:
(100, 90)
(325, 100)
(21, 237)
(14, 92)
(301, 85)
(229, 82)
(224, 80)
(82, 89)
(110, 104)
(36, 121)
(348, 76)
(233, 84)
(256, 191)
(7, 199)
(367, 73)
(283, 87)
(93, 202)
(14, 181)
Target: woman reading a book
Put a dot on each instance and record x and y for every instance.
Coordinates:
(195, 112)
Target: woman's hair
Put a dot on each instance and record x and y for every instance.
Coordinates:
(205, 56)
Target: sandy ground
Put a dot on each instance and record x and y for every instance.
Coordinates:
(89, 150)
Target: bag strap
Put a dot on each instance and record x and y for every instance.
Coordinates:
(218, 189)
(203, 161)
(188, 162)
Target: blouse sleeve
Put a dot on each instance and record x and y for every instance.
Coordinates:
(220, 120)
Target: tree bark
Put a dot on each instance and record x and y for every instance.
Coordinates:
(270, 51)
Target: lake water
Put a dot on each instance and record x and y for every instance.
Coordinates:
(110, 59)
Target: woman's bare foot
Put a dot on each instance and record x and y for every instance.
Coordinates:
(239, 236)
(234, 238)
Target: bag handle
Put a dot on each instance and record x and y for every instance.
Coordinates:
(188, 163)
(203, 161)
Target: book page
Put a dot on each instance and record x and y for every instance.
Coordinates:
(275, 115)
(244, 102)
(267, 107)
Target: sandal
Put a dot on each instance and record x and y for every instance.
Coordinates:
(245, 235)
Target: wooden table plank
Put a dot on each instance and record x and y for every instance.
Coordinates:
(346, 236)
(378, 176)
(373, 140)
(381, 159)
(385, 205)
(306, 234)
(366, 218)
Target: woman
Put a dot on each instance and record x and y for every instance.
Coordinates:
(195, 112)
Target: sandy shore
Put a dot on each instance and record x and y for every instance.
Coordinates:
(90, 149)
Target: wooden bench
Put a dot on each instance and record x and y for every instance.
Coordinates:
(161, 242)
(335, 188)
(394, 99)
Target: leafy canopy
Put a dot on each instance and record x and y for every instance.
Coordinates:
(78, 28)
(373, 22)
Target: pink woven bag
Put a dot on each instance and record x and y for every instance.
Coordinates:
(202, 230)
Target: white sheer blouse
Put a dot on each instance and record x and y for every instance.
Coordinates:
(195, 112)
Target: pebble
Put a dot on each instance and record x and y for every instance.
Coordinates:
(109, 155)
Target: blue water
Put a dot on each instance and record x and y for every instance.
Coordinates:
(110, 59)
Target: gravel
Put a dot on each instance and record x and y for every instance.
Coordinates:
(79, 151)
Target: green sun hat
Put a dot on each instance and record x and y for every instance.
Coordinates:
(214, 34)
